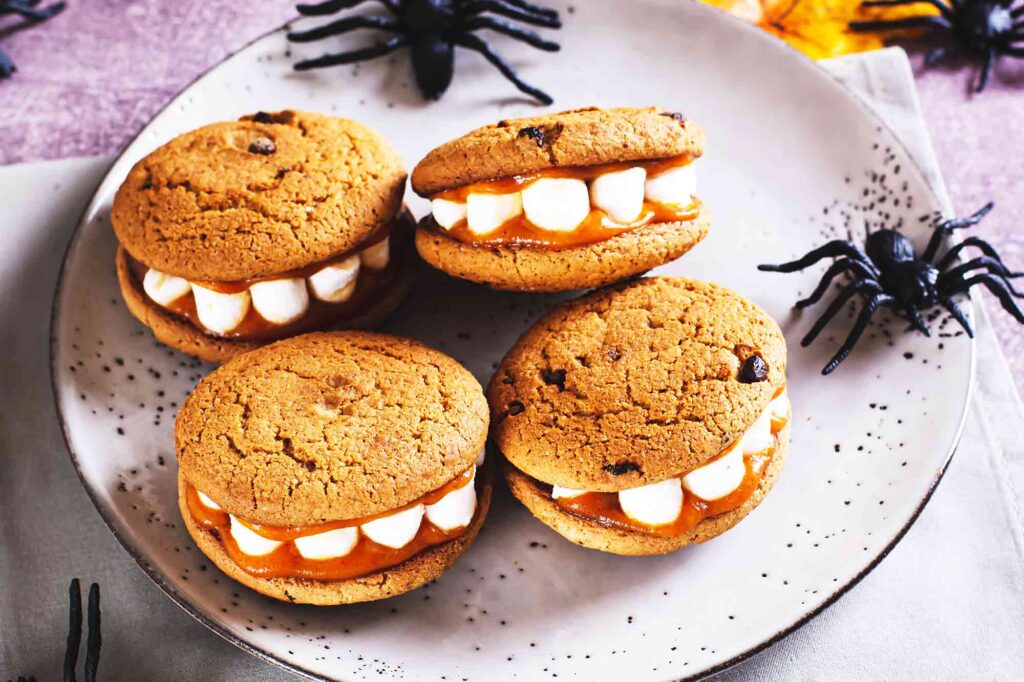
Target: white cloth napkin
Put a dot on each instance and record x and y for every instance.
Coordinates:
(948, 603)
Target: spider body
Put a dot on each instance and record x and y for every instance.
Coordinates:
(432, 29)
(30, 14)
(986, 29)
(888, 273)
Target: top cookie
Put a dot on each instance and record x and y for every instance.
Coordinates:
(634, 384)
(330, 426)
(258, 196)
(582, 137)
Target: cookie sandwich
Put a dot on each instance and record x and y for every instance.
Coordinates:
(334, 467)
(244, 232)
(563, 201)
(644, 417)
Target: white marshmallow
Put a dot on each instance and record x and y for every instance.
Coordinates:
(556, 204)
(280, 301)
(619, 194)
(220, 313)
(336, 283)
(719, 478)
(485, 213)
(163, 288)
(329, 544)
(779, 407)
(455, 509)
(675, 187)
(395, 530)
(249, 541)
(448, 214)
(207, 502)
(656, 504)
(376, 257)
(758, 437)
(558, 491)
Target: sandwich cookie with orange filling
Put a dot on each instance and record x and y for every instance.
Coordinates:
(563, 201)
(644, 417)
(334, 467)
(244, 232)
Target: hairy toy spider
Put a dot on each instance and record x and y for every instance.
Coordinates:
(30, 14)
(432, 29)
(890, 274)
(985, 29)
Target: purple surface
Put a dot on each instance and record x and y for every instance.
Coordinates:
(90, 78)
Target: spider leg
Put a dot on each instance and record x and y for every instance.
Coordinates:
(994, 285)
(343, 26)
(986, 70)
(334, 6)
(848, 291)
(472, 42)
(530, 7)
(7, 67)
(510, 10)
(858, 328)
(937, 4)
(916, 321)
(911, 22)
(95, 639)
(505, 28)
(29, 11)
(935, 55)
(976, 242)
(953, 224)
(74, 630)
(833, 271)
(991, 266)
(834, 249)
(957, 314)
(378, 50)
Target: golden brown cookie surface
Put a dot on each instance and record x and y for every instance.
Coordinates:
(330, 426)
(258, 196)
(634, 384)
(582, 137)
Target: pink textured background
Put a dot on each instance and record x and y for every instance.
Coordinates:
(91, 77)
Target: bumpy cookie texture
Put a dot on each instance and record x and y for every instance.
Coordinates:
(409, 575)
(633, 384)
(595, 536)
(182, 335)
(526, 268)
(330, 426)
(258, 196)
(582, 137)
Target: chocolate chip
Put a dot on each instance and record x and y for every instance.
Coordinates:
(614, 354)
(515, 407)
(535, 134)
(281, 172)
(554, 377)
(675, 116)
(620, 468)
(262, 145)
(508, 380)
(754, 369)
(263, 117)
(310, 465)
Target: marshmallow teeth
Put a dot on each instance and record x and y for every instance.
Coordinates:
(220, 313)
(329, 545)
(280, 301)
(620, 194)
(249, 542)
(336, 283)
(558, 491)
(675, 187)
(207, 501)
(656, 504)
(556, 204)
(448, 214)
(719, 478)
(454, 510)
(395, 530)
(485, 213)
(376, 257)
(163, 288)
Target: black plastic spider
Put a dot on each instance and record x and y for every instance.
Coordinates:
(891, 275)
(983, 28)
(30, 14)
(432, 29)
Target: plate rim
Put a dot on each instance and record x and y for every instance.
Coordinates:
(192, 609)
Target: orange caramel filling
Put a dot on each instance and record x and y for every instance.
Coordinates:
(369, 284)
(596, 227)
(286, 562)
(604, 508)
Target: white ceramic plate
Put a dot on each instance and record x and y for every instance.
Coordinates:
(792, 160)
